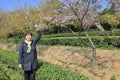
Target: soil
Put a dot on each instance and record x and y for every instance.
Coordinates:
(79, 60)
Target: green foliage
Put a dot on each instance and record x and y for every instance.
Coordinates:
(110, 19)
(84, 0)
(2, 70)
(50, 7)
(46, 71)
(108, 43)
(7, 73)
(54, 72)
(116, 32)
(92, 32)
(113, 77)
(68, 39)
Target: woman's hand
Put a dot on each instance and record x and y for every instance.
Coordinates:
(37, 27)
(20, 65)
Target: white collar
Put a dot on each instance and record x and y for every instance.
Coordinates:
(28, 42)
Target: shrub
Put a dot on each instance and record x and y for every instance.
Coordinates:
(113, 77)
(108, 43)
(46, 71)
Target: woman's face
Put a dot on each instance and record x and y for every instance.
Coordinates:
(28, 37)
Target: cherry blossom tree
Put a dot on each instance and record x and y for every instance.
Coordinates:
(82, 10)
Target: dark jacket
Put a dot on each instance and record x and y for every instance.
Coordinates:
(29, 60)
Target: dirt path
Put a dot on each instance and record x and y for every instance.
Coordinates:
(76, 59)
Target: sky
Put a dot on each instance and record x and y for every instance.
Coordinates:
(10, 5)
(104, 4)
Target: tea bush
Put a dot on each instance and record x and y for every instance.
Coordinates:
(46, 71)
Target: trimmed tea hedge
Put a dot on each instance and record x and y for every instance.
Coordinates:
(91, 33)
(108, 43)
(46, 71)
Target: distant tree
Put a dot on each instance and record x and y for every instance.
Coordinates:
(110, 16)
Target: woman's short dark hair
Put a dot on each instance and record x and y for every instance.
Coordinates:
(28, 33)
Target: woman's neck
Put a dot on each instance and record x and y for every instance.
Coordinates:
(28, 41)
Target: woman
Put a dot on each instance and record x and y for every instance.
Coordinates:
(27, 59)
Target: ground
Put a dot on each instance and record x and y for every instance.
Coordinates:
(78, 60)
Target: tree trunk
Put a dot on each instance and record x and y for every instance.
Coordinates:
(94, 52)
(93, 58)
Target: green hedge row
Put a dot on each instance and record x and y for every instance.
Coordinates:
(9, 58)
(108, 43)
(91, 33)
(7, 73)
(2, 72)
(46, 71)
(111, 42)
